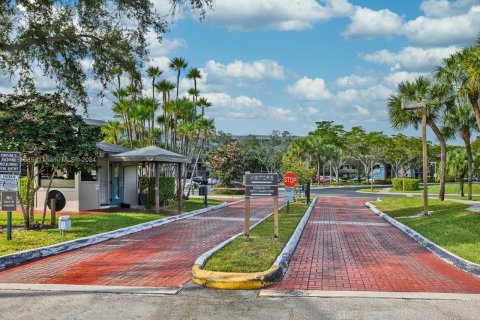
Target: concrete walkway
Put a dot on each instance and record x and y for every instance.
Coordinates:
(345, 247)
(159, 257)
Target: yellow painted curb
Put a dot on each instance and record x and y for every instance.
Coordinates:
(233, 280)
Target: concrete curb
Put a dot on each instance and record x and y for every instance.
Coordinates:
(33, 254)
(445, 255)
(253, 280)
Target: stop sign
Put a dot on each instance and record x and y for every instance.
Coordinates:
(290, 179)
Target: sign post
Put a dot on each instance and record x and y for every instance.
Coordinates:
(290, 180)
(10, 168)
(261, 185)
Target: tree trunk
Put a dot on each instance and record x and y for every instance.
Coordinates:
(466, 140)
(462, 176)
(46, 196)
(473, 97)
(443, 158)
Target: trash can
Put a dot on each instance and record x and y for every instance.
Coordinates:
(64, 224)
(203, 190)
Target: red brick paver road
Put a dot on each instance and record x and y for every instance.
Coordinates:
(159, 257)
(345, 247)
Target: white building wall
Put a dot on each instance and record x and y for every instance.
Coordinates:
(130, 183)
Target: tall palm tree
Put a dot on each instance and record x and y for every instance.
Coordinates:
(461, 73)
(178, 64)
(153, 72)
(165, 87)
(204, 103)
(420, 90)
(194, 74)
(459, 121)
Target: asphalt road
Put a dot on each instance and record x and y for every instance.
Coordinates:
(349, 192)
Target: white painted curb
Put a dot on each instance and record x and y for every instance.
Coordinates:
(29, 255)
(440, 252)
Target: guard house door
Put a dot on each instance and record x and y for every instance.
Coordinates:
(117, 183)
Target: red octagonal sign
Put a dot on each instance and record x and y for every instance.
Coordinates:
(290, 179)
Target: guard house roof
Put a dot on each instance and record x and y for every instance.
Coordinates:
(111, 148)
(151, 154)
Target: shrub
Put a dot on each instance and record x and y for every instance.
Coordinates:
(410, 184)
(228, 191)
(22, 190)
(167, 189)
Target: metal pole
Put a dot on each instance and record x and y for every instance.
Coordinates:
(275, 217)
(9, 225)
(288, 206)
(247, 220)
(53, 211)
(157, 188)
(425, 160)
(180, 192)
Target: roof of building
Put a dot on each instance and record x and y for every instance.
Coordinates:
(111, 148)
(151, 154)
(94, 122)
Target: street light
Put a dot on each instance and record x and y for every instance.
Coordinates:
(406, 105)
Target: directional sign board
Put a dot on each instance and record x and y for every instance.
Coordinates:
(261, 185)
(9, 201)
(8, 182)
(261, 191)
(263, 179)
(10, 162)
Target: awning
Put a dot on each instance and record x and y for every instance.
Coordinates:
(151, 154)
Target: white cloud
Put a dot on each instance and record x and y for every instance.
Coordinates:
(274, 14)
(411, 58)
(395, 78)
(377, 92)
(445, 8)
(310, 89)
(241, 107)
(256, 70)
(353, 81)
(367, 23)
(361, 110)
(282, 114)
(445, 30)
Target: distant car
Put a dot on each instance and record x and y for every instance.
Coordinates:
(200, 180)
(188, 182)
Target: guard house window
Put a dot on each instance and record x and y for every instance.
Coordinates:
(62, 178)
(89, 174)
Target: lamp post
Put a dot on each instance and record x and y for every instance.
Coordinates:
(407, 104)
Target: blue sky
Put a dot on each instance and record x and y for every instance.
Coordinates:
(282, 65)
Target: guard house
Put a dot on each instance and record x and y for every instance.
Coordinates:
(113, 182)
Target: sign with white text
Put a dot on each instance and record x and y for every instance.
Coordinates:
(8, 182)
(10, 162)
(9, 201)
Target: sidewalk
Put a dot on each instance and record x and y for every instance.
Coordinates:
(345, 247)
(159, 257)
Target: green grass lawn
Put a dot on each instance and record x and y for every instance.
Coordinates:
(451, 225)
(82, 226)
(450, 188)
(192, 204)
(262, 250)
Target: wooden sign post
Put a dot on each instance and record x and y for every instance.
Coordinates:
(261, 185)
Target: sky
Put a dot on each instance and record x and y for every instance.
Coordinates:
(282, 65)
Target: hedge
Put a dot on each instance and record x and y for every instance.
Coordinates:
(167, 189)
(410, 184)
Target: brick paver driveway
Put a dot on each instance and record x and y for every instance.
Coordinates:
(346, 247)
(159, 257)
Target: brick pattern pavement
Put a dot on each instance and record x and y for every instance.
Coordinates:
(159, 257)
(334, 254)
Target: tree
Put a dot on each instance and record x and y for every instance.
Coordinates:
(49, 135)
(153, 72)
(194, 74)
(178, 64)
(460, 75)
(55, 36)
(459, 121)
(420, 90)
(457, 166)
(112, 132)
(402, 152)
(227, 163)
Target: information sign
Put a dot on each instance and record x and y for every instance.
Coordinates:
(8, 182)
(9, 201)
(10, 162)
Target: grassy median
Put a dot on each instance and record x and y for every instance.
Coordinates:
(82, 226)
(450, 226)
(262, 250)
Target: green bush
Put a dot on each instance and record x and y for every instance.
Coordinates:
(228, 192)
(410, 184)
(167, 189)
(22, 190)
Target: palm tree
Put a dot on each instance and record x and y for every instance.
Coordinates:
(178, 64)
(153, 72)
(420, 90)
(113, 131)
(194, 74)
(460, 120)
(461, 73)
(457, 165)
(165, 87)
(204, 103)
